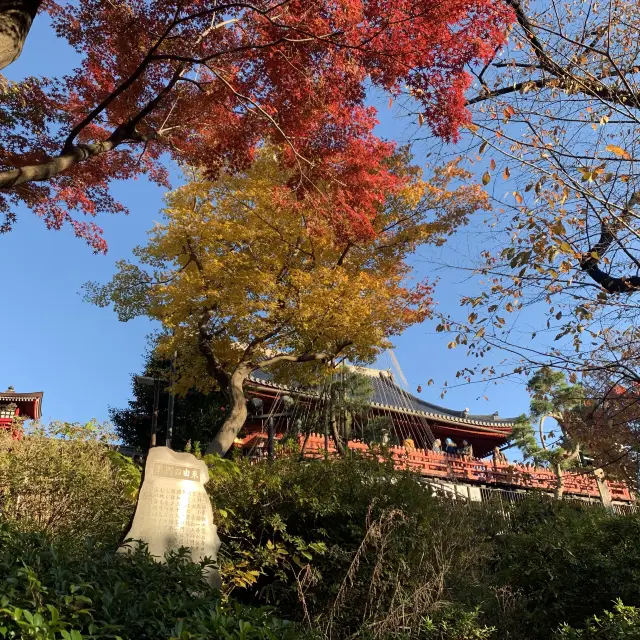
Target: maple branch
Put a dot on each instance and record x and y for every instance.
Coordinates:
(73, 155)
(96, 111)
(69, 158)
(214, 367)
(151, 56)
(307, 357)
(46, 170)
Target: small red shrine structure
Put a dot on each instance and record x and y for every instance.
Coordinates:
(24, 405)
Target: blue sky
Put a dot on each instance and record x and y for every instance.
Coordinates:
(82, 357)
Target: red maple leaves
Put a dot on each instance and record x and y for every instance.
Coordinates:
(205, 83)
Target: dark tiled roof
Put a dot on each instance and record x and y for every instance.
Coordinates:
(388, 395)
(9, 396)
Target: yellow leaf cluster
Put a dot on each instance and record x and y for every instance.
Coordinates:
(245, 262)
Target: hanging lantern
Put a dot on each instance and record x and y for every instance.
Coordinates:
(255, 406)
(287, 401)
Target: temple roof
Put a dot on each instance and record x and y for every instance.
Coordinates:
(33, 398)
(389, 396)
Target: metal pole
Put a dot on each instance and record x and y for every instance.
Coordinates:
(327, 417)
(270, 438)
(171, 404)
(154, 415)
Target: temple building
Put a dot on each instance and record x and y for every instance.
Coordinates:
(19, 405)
(414, 434)
(408, 417)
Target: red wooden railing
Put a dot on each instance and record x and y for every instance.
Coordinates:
(432, 464)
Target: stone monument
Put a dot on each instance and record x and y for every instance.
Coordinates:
(174, 509)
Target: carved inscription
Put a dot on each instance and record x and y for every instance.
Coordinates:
(173, 508)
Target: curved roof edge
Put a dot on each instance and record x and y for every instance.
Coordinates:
(388, 396)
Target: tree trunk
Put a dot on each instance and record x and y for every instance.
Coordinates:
(16, 17)
(334, 423)
(337, 439)
(304, 444)
(559, 491)
(237, 413)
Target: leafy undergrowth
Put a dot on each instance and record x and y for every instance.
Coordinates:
(48, 591)
(345, 549)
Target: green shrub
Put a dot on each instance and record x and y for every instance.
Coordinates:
(455, 623)
(566, 562)
(64, 480)
(621, 624)
(46, 592)
(349, 546)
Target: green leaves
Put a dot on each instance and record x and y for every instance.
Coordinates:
(49, 593)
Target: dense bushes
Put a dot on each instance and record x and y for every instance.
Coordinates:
(47, 592)
(350, 546)
(567, 563)
(342, 549)
(356, 548)
(63, 480)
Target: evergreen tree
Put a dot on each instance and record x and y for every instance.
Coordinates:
(197, 416)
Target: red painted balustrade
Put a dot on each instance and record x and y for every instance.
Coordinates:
(445, 466)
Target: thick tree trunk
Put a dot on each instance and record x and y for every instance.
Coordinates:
(237, 413)
(16, 18)
(559, 491)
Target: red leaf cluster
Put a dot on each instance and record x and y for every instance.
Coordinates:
(205, 83)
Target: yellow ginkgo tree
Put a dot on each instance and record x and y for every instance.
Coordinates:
(243, 275)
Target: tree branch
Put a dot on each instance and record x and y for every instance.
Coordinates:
(214, 367)
(307, 357)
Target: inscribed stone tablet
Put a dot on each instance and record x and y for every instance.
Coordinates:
(173, 508)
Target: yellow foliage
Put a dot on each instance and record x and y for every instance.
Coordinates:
(242, 268)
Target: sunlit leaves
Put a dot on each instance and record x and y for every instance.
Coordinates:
(260, 270)
(618, 151)
(196, 83)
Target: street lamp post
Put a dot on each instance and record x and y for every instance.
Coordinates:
(156, 383)
(172, 402)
